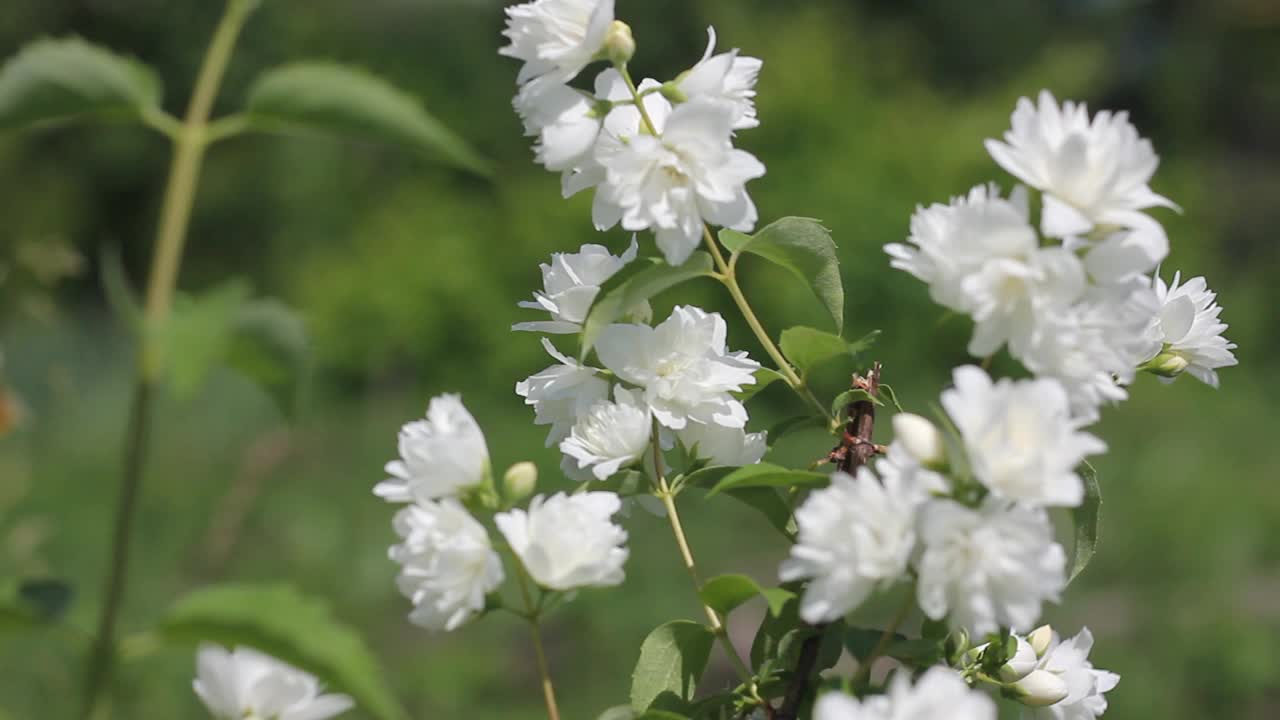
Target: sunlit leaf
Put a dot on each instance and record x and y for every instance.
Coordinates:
(672, 659)
(805, 247)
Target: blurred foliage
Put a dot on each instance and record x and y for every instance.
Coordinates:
(408, 275)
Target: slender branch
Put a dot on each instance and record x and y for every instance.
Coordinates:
(535, 631)
(799, 687)
(175, 215)
(686, 555)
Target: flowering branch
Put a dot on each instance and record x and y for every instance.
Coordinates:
(535, 631)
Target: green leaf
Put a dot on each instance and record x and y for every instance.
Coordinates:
(733, 239)
(60, 80)
(332, 99)
(806, 347)
(1085, 519)
(724, 593)
(861, 641)
(773, 628)
(848, 397)
(672, 659)
(864, 343)
(768, 503)
(768, 475)
(197, 335)
(34, 602)
(270, 346)
(301, 631)
(614, 303)
(764, 378)
(804, 247)
(785, 427)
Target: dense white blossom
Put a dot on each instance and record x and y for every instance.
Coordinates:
(987, 567)
(447, 563)
(244, 684)
(855, 536)
(1189, 328)
(683, 365)
(940, 694)
(555, 39)
(611, 435)
(568, 541)
(674, 181)
(562, 393)
(442, 455)
(727, 76)
(1086, 686)
(721, 445)
(570, 283)
(1094, 173)
(1020, 437)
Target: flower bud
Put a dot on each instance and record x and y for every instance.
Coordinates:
(1040, 639)
(1166, 364)
(619, 45)
(920, 438)
(671, 91)
(1022, 662)
(1040, 688)
(520, 481)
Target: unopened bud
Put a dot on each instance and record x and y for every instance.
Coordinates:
(1022, 662)
(1040, 639)
(672, 92)
(920, 438)
(1166, 364)
(520, 481)
(1040, 688)
(619, 45)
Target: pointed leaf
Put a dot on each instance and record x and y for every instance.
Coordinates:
(1085, 519)
(332, 99)
(768, 475)
(299, 630)
(806, 347)
(672, 659)
(59, 80)
(724, 593)
(764, 378)
(637, 288)
(804, 247)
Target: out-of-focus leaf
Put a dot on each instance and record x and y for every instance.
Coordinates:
(197, 335)
(805, 247)
(806, 347)
(672, 659)
(301, 631)
(333, 99)
(724, 593)
(59, 80)
(34, 602)
(768, 475)
(270, 346)
(764, 378)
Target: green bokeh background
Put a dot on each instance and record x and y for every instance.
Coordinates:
(408, 275)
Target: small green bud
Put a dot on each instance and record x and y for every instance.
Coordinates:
(520, 481)
(672, 92)
(619, 45)
(1040, 639)
(1167, 364)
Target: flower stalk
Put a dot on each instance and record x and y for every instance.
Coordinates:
(532, 613)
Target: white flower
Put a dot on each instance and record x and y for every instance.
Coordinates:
(1069, 660)
(611, 435)
(940, 694)
(570, 283)
(568, 541)
(1189, 327)
(1125, 256)
(1022, 663)
(987, 567)
(721, 445)
(447, 563)
(562, 393)
(244, 684)
(683, 366)
(556, 39)
(1093, 173)
(1020, 437)
(674, 182)
(854, 536)
(1040, 688)
(728, 77)
(566, 123)
(440, 456)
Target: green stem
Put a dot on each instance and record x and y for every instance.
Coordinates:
(544, 669)
(726, 274)
(175, 214)
(714, 620)
(886, 638)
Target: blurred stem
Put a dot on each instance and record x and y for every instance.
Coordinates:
(727, 276)
(544, 669)
(686, 555)
(886, 639)
(189, 144)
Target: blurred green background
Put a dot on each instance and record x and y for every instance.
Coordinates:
(408, 277)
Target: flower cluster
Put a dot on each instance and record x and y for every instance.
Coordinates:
(973, 528)
(1077, 300)
(659, 156)
(244, 683)
(939, 693)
